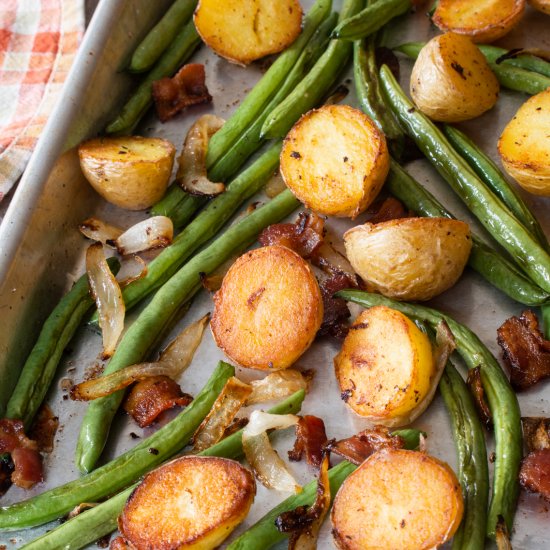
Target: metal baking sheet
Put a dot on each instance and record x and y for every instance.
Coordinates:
(41, 253)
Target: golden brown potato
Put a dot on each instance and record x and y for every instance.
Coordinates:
(242, 31)
(524, 145)
(409, 258)
(482, 20)
(191, 502)
(397, 499)
(268, 310)
(385, 365)
(452, 81)
(131, 172)
(541, 5)
(335, 160)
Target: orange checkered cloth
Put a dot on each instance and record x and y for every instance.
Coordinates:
(38, 41)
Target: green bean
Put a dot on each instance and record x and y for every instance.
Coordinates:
(264, 534)
(39, 369)
(513, 78)
(473, 472)
(489, 173)
(100, 520)
(161, 35)
(178, 205)
(489, 210)
(309, 92)
(522, 61)
(369, 20)
(491, 265)
(123, 470)
(179, 51)
(159, 314)
(502, 401)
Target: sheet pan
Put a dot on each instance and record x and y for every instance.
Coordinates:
(41, 253)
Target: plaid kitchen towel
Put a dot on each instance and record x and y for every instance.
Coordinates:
(38, 41)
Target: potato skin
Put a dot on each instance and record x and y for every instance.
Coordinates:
(409, 258)
(242, 31)
(397, 499)
(541, 5)
(131, 172)
(452, 81)
(482, 20)
(191, 502)
(335, 160)
(268, 309)
(524, 146)
(385, 365)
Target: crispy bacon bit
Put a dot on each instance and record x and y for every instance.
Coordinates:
(150, 397)
(12, 435)
(310, 439)
(534, 474)
(476, 388)
(336, 310)
(187, 87)
(235, 426)
(6, 470)
(389, 209)
(27, 467)
(304, 236)
(536, 433)
(44, 429)
(525, 350)
(359, 447)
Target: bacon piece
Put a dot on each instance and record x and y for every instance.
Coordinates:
(27, 467)
(310, 439)
(536, 433)
(525, 350)
(335, 310)
(534, 474)
(389, 209)
(152, 396)
(304, 236)
(44, 428)
(12, 436)
(478, 393)
(359, 447)
(187, 87)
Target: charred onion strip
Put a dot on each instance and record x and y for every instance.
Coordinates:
(224, 410)
(99, 231)
(478, 393)
(310, 439)
(108, 298)
(172, 362)
(155, 232)
(277, 385)
(335, 310)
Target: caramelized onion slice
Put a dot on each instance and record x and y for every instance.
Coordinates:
(108, 298)
(536, 433)
(502, 537)
(277, 385)
(275, 185)
(172, 362)
(155, 232)
(222, 413)
(478, 393)
(191, 175)
(267, 465)
(311, 438)
(130, 273)
(99, 231)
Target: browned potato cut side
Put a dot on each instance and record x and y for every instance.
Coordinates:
(541, 5)
(335, 160)
(385, 364)
(452, 81)
(268, 309)
(524, 145)
(245, 30)
(409, 258)
(397, 499)
(191, 502)
(131, 172)
(482, 20)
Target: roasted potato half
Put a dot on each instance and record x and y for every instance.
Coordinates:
(191, 502)
(335, 160)
(242, 31)
(482, 20)
(131, 172)
(524, 145)
(268, 309)
(397, 499)
(452, 81)
(409, 258)
(541, 5)
(385, 365)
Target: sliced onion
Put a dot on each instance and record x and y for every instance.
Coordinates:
(502, 536)
(222, 413)
(130, 275)
(99, 231)
(82, 507)
(331, 261)
(191, 175)
(277, 385)
(155, 232)
(108, 298)
(275, 185)
(172, 362)
(264, 460)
